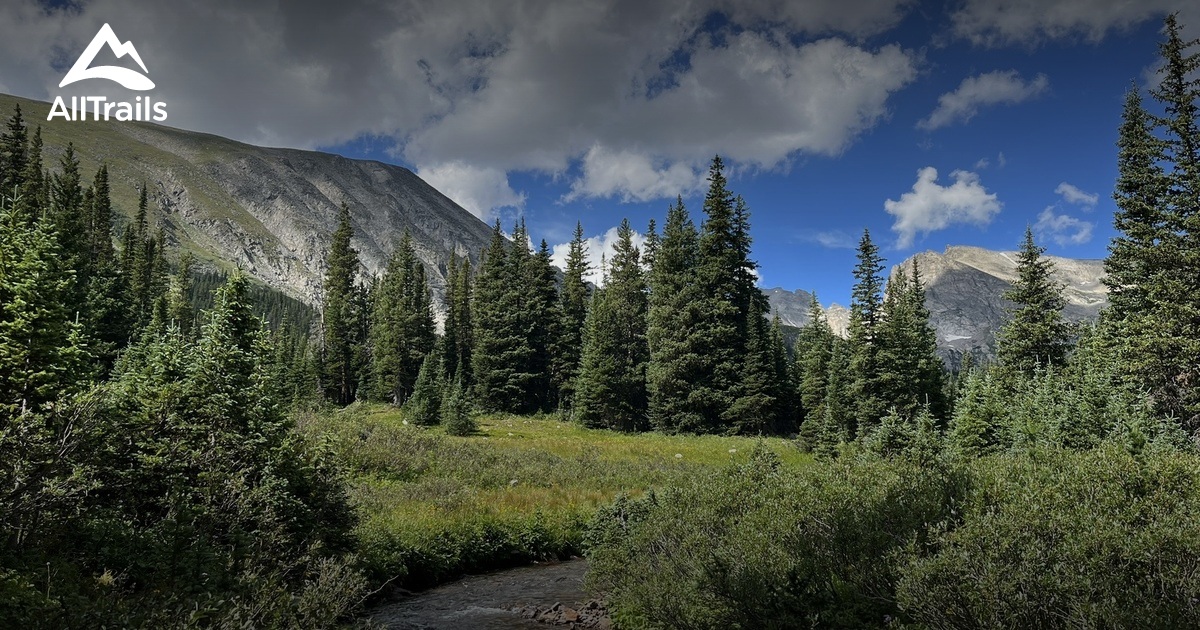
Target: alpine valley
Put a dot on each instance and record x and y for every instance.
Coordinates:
(272, 212)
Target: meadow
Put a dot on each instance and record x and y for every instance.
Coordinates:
(433, 506)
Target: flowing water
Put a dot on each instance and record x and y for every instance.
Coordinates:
(501, 601)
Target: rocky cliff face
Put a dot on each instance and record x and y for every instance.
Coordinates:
(964, 288)
(270, 211)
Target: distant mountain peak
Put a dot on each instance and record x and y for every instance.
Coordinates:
(964, 286)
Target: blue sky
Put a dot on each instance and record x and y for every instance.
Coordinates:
(834, 115)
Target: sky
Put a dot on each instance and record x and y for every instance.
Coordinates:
(928, 123)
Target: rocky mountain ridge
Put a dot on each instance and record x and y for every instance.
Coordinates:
(964, 289)
(270, 211)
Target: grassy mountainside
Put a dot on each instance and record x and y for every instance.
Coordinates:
(270, 211)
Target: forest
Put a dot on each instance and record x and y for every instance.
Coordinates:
(182, 448)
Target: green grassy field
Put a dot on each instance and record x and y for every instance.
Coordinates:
(434, 506)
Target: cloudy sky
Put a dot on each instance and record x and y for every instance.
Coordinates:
(930, 123)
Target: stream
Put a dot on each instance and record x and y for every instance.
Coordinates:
(542, 595)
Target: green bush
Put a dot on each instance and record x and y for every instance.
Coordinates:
(1046, 538)
(1067, 540)
(761, 547)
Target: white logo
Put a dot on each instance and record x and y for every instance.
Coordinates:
(142, 109)
(129, 79)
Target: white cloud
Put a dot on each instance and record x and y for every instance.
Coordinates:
(600, 247)
(528, 85)
(632, 176)
(991, 88)
(479, 190)
(930, 206)
(1031, 22)
(1063, 229)
(1074, 195)
(832, 239)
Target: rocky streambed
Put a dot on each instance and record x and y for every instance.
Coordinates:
(543, 596)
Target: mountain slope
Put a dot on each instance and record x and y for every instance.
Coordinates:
(271, 211)
(964, 288)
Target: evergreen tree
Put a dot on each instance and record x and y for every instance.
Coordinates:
(456, 411)
(514, 325)
(463, 340)
(105, 292)
(34, 192)
(611, 386)
(13, 154)
(41, 345)
(980, 416)
(341, 352)
(402, 328)
(1036, 333)
(763, 404)
(910, 374)
(865, 309)
(543, 321)
(425, 404)
(179, 306)
(1140, 219)
(451, 327)
(572, 314)
(814, 352)
(725, 279)
(498, 342)
(1153, 319)
(674, 313)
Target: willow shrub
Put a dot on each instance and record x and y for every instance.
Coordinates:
(1047, 538)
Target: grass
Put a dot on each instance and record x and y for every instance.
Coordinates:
(434, 506)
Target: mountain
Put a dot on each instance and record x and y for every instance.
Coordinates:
(270, 211)
(963, 289)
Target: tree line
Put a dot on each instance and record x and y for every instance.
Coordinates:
(150, 473)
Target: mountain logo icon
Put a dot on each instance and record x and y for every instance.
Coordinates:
(130, 79)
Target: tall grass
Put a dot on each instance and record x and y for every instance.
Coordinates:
(434, 506)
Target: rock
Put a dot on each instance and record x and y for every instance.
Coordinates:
(270, 211)
(963, 291)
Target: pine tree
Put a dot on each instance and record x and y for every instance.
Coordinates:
(341, 352)
(105, 292)
(572, 314)
(764, 402)
(541, 307)
(814, 352)
(1140, 218)
(1036, 333)
(464, 339)
(865, 309)
(456, 411)
(451, 327)
(179, 306)
(611, 386)
(1153, 320)
(723, 271)
(838, 406)
(13, 154)
(911, 376)
(41, 345)
(34, 193)
(674, 313)
(402, 328)
(425, 404)
(498, 339)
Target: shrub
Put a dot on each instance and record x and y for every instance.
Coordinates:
(761, 547)
(1066, 540)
